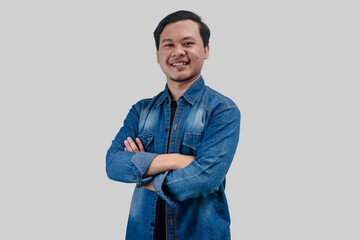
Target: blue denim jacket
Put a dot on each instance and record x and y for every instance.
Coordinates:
(206, 125)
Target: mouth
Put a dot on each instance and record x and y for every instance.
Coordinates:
(179, 63)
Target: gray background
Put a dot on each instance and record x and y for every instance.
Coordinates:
(70, 71)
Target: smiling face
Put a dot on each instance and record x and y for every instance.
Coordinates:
(181, 51)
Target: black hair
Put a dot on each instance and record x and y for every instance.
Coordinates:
(178, 16)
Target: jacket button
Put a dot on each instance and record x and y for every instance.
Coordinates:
(166, 129)
(152, 224)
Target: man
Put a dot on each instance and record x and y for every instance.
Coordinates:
(178, 146)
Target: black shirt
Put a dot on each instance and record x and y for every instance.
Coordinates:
(160, 220)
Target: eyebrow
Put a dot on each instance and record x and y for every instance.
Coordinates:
(168, 40)
(172, 40)
(189, 38)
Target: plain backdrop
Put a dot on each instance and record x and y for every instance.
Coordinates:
(70, 71)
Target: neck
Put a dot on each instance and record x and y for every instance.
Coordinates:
(177, 89)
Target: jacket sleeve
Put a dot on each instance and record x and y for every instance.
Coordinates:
(213, 158)
(123, 166)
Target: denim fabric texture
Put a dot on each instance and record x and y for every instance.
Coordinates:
(206, 125)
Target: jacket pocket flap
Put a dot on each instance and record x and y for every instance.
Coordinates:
(193, 140)
(146, 139)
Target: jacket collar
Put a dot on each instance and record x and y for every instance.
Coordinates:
(190, 95)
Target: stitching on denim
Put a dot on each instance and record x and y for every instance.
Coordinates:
(224, 108)
(200, 91)
(199, 173)
(146, 100)
(192, 101)
(175, 223)
(135, 170)
(219, 97)
(161, 193)
(161, 98)
(191, 134)
(178, 127)
(146, 135)
(206, 107)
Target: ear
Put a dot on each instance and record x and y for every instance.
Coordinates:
(157, 56)
(206, 52)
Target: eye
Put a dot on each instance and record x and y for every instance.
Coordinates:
(168, 45)
(188, 43)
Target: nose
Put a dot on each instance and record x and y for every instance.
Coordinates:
(178, 51)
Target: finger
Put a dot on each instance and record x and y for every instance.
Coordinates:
(132, 144)
(139, 143)
(127, 146)
(125, 149)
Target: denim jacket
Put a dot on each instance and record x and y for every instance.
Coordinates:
(206, 125)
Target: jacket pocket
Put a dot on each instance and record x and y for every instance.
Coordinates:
(192, 142)
(148, 142)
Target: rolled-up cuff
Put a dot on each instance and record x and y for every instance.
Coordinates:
(158, 182)
(144, 181)
(139, 163)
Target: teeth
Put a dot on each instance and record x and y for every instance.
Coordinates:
(179, 64)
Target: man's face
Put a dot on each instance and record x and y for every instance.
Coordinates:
(181, 51)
